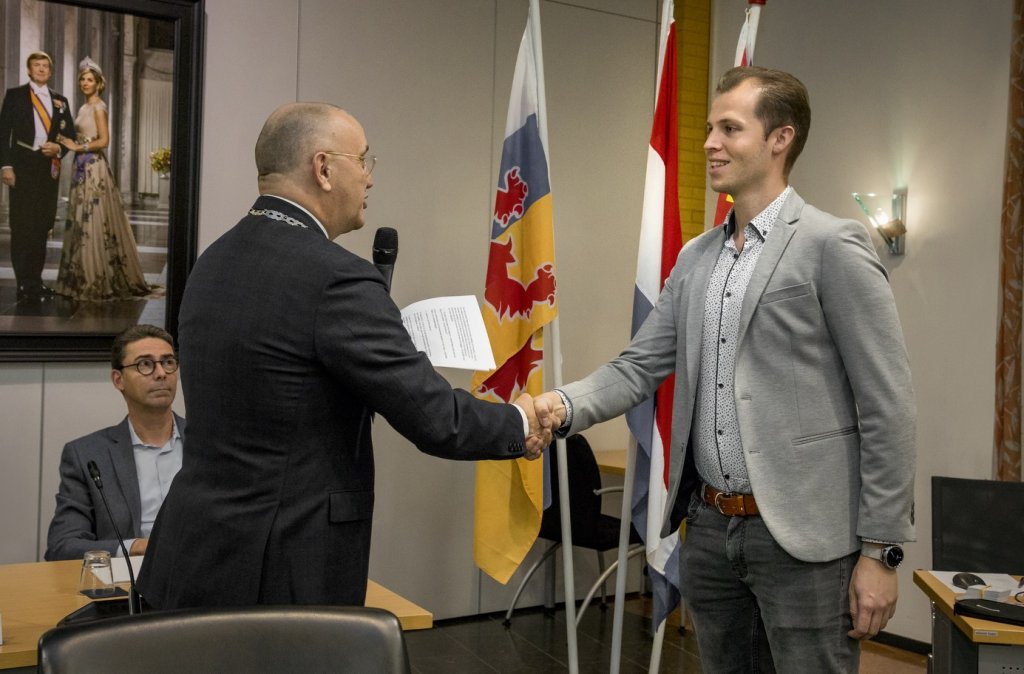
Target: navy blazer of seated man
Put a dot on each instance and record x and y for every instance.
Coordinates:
(80, 522)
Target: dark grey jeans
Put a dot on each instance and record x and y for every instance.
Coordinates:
(757, 609)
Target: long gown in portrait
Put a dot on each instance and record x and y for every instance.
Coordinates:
(99, 260)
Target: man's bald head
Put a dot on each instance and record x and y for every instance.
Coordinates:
(313, 155)
(291, 135)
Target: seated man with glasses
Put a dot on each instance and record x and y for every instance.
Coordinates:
(137, 459)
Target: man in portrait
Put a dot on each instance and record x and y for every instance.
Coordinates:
(30, 120)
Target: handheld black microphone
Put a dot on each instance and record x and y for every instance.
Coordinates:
(385, 252)
(134, 604)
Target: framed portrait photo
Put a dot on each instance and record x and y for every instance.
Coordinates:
(102, 110)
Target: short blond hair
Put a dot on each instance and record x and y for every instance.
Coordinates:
(38, 56)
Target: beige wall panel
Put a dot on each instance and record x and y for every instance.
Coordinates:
(419, 78)
(250, 70)
(78, 399)
(911, 94)
(648, 10)
(21, 394)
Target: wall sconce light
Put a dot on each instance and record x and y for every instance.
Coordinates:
(892, 225)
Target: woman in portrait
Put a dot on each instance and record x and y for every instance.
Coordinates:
(99, 260)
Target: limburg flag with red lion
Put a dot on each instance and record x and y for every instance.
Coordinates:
(519, 300)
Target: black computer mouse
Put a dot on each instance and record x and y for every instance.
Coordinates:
(965, 580)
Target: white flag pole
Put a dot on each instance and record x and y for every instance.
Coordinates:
(556, 372)
(626, 517)
(620, 573)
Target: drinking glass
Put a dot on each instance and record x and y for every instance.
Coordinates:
(97, 579)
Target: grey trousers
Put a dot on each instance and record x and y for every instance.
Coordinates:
(757, 609)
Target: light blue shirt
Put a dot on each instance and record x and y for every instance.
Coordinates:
(155, 468)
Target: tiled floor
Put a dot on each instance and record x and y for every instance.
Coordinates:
(66, 316)
(535, 643)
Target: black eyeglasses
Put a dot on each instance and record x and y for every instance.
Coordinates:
(147, 366)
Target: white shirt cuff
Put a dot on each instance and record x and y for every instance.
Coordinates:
(526, 421)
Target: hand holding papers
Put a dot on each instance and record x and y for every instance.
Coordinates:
(450, 330)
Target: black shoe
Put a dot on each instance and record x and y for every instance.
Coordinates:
(34, 293)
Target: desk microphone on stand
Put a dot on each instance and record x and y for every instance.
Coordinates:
(134, 604)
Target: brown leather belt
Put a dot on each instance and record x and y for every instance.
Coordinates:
(730, 505)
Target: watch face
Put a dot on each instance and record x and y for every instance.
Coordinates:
(892, 556)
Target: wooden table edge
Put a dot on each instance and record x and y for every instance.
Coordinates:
(979, 631)
(377, 596)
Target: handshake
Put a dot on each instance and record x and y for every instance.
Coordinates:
(545, 413)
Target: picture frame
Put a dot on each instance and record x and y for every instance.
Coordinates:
(30, 338)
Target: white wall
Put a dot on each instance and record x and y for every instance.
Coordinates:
(911, 93)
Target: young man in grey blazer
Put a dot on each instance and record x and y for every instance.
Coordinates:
(793, 414)
(137, 459)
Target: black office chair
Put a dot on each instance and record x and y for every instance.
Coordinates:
(590, 528)
(977, 525)
(241, 639)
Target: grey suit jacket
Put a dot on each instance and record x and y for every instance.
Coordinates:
(80, 522)
(822, 382)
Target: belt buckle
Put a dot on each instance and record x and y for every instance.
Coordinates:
(718, 503)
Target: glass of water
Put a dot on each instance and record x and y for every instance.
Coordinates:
(97, 579)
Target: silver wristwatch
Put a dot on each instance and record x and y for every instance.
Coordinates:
(890, 555)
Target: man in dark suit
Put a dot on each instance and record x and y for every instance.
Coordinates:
(137, 459)
(793, 408)
(32, 117)
(292, 344)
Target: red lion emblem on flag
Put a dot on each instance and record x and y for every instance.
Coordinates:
(510, 296)
(509, 202)
(510, 379)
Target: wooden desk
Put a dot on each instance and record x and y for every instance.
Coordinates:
(33, 597)
(611, 461)
(975, 645)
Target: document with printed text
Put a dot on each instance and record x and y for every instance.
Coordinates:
(450, 330)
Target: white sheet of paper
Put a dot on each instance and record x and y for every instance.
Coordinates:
(997, 581)
(119, 568)
(450, 330)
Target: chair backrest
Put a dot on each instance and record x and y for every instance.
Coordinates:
(242, 639)
(977, 525)
(584, 477)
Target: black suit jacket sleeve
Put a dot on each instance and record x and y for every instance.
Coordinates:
(17, 122)
(362, 340)
(8, 115)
